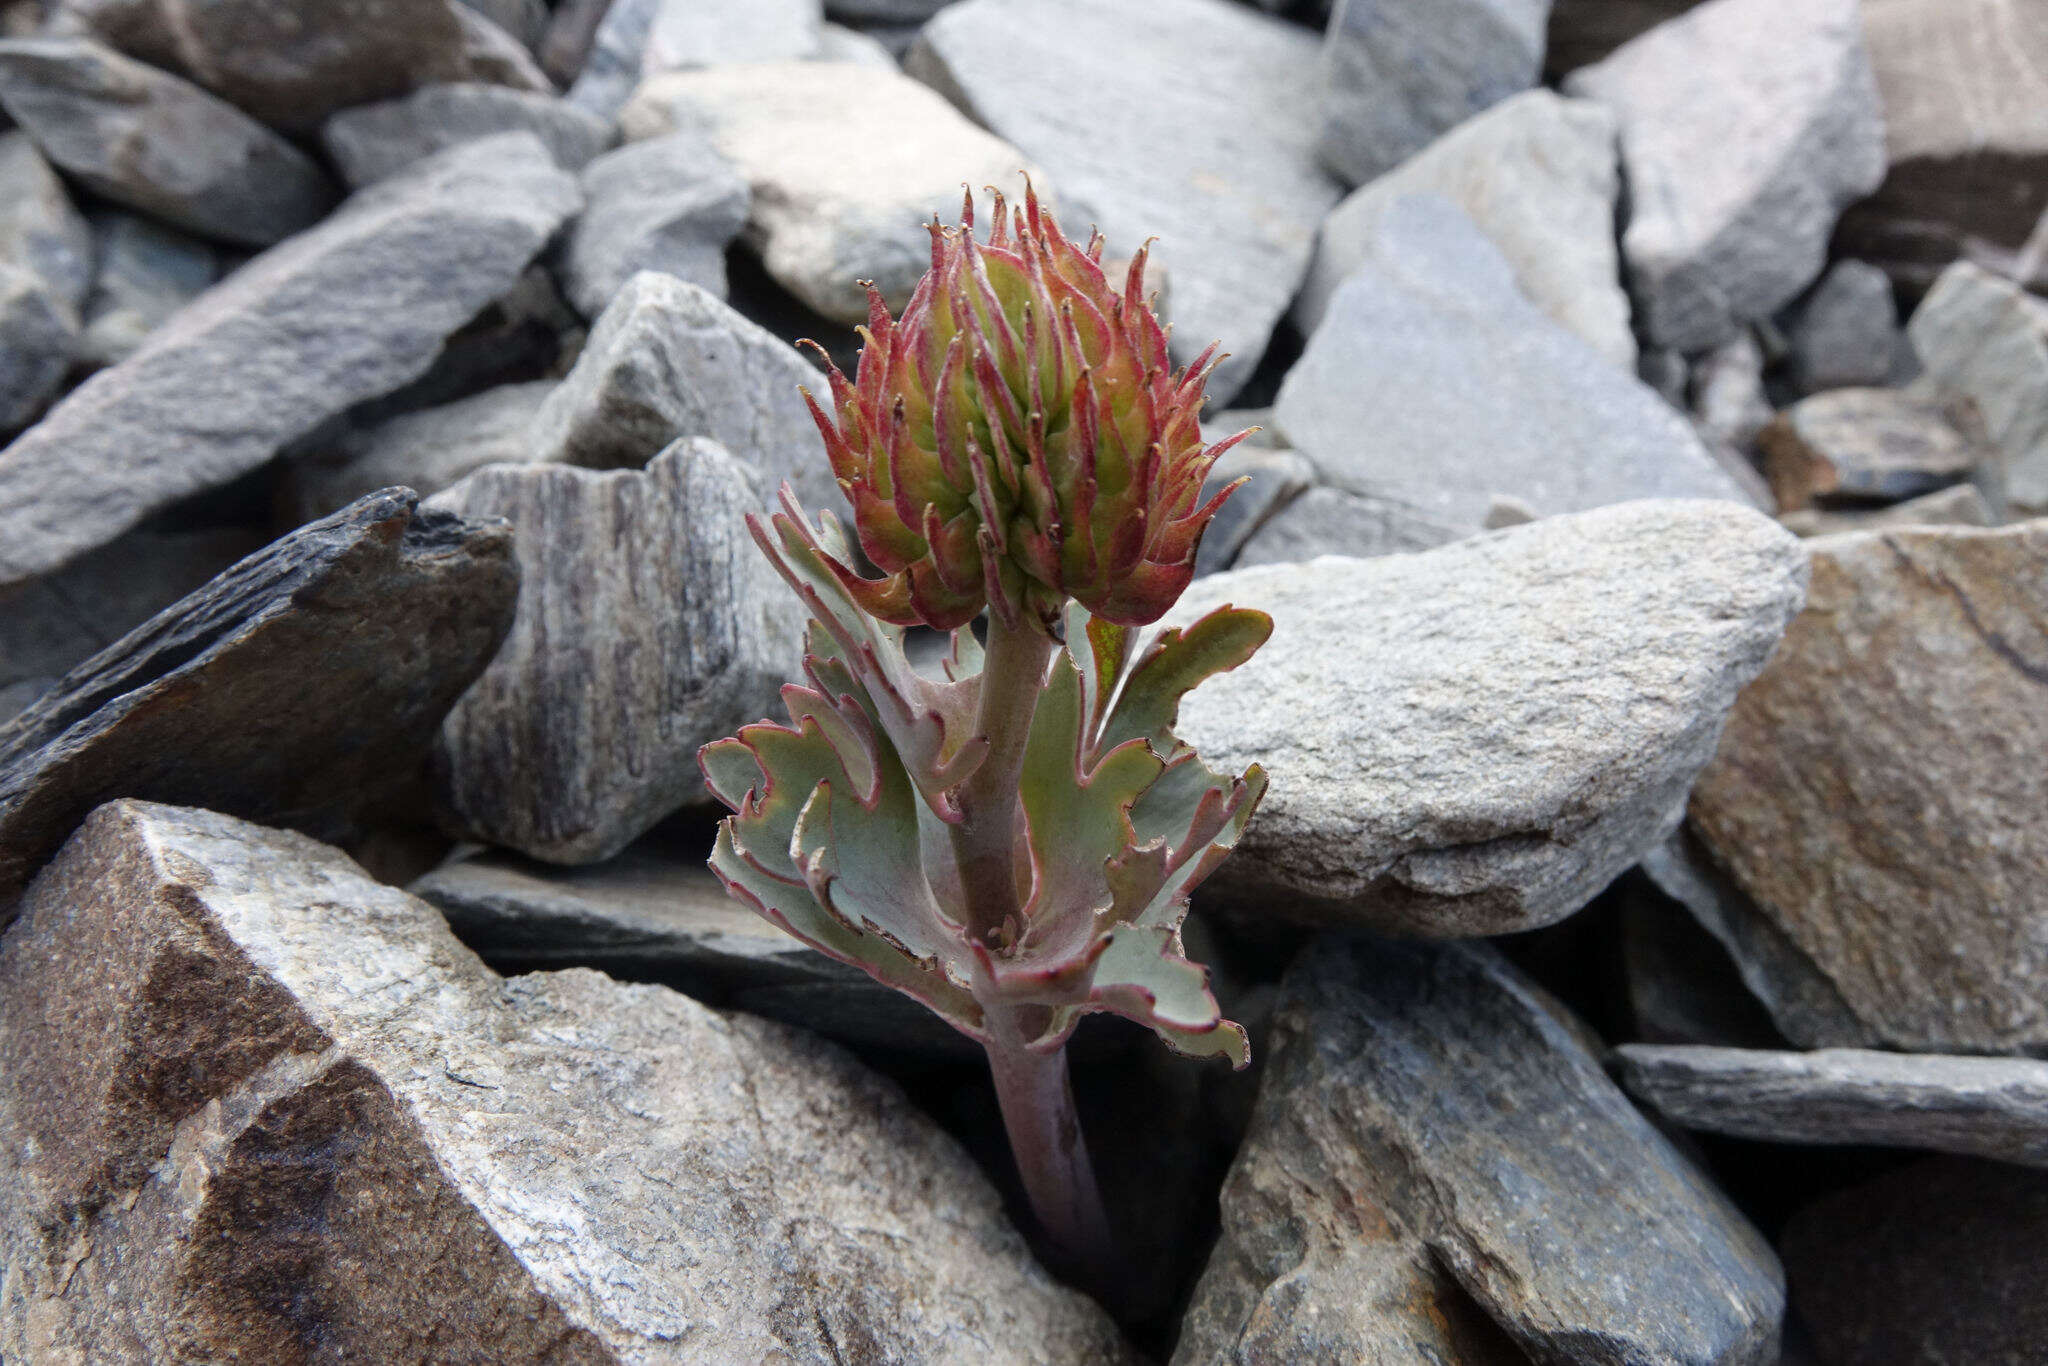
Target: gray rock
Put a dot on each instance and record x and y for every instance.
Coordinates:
(372, 141)
(256, 1082)
(40, 231)
(147, 272)
(425, 451)
(1434, 381)
(688, 34)
(1963, 83)
(1397, 76)
(1986, 340)
(1274, 478)
(302, 686)
(610, 69)
(341, 313)
(158, 144)
(846, 166)
(50, 625)
(1536, 173)
(291, 63)
(649, 625)
(838, 43)
(1683, 985)
(1864, 444)
(1941, 1261)
(1476, 739)
(16, 697)
(1958, 505)
(656, 914)
(1978, 1107)
(572, 28)
(667, 360)
(1584, 31)
(884, 11)
(1843, 332)
(37, 333)
(1745, 127)
(525, 20)
(1725, 390)
(1429, 1095)
(1327, 521)
(669, 204)
(1234, 198)
(1869, 796)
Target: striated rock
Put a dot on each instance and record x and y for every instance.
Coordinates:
(1536, 174)
(1872, 444)
(148, 140)
(1327, 521)
(846, 166)
(341, 313)
(1398, 75)
(1476, 739)
(1963, 83)
(1957, 505)
(1425, 1106)
(1980, 1107)
(1986, 340)
(649, 625)
(301, 686)
(1941, 1261)
(1843, 334)
(670, 204)
(372, 141)
(1872, 794)
(1433, 381)
(1745, 127)
(668, 360)
(255, 1082)
(425, 451)
(1232, 190)
(147, 272)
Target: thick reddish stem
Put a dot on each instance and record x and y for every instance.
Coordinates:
(1051, 1156)
(985, 843)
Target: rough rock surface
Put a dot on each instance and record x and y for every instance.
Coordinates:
(1986, 340)
(300, 687)
(147, 272)
(1396, 75)
(1429, 1097)
(40, 231)
(1957, 505)
(1872, 793)
(1537, 175)
(1476, 739)
(1434, 381)
(846, 166)
(668, 359)
(1746, 125)
(649, 625)
(252, 1084)
(1874, 1269)
(372, 141)
(340, 313)
(1979, 1107)
(149, 140)
(1327, 521)
(1870, 444)
(670, 204)
(1843, 334)
(1232, 191)
(687, 34)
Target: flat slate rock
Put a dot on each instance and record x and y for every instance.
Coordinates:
(340, 313)
(301, 687)
(1984, 339)
(1434, 381)
(1872, 797)
(1232, 190)
(1977, 1107)
(215, 1038)
(1746, 125)
(1428, 1094)
(670, 204)
(649, 625)
(1476, 739)
(147, 272)
(1869, 445)
(372, 141)
(159, 144)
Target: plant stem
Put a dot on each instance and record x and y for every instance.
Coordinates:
(985, 843)
(1046, 1142)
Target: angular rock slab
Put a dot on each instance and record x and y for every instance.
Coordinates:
(1231, 189)
(147, 272)
(1873, 793)
(1977, 1107)
(153, 142)
(846, 166)
(649, 625)
(1435, 382)
(1429, 1095)
(267, 1109)
(40, 230)
(372, 141)
(1476, 739)
(1844, 333)
(1746, 125)
(338, 314)
(1957, 505)
(1864, 444)
(1537, 174)
(1986, 340)
(669, 204)
(302, 686)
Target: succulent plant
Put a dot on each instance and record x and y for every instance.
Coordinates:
(1013, 843)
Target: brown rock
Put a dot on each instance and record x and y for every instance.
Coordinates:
(1877, 791)
(1877, 445)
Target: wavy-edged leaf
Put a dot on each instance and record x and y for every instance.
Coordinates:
(1173, 666)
